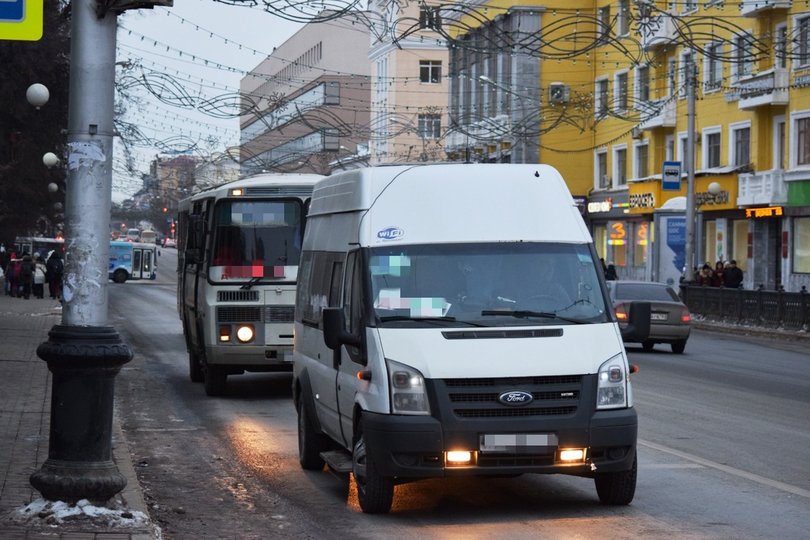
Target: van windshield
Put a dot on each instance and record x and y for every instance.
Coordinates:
(498, 284)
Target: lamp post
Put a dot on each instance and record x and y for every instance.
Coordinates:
(689, 155)
(521, 138)
(37, 95)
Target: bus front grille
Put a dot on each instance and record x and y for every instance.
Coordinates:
(235, 314)
(237, 296)
(279, 314)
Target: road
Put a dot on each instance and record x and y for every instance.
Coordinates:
(723, 451)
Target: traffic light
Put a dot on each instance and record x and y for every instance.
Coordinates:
(165, 209)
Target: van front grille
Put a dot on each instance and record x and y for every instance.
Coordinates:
(236, 314)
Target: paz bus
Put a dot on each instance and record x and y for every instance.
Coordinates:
(238, 247)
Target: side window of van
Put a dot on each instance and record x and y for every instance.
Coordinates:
(353, 303)
(319, 284)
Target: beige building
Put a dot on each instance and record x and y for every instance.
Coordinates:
(307, 104)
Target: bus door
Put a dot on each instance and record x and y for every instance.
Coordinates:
(137, 264)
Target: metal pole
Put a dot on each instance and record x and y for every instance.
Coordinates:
(689, 156)
(83, 353)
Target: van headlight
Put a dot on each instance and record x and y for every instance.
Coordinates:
(611, 390)
(407, 387)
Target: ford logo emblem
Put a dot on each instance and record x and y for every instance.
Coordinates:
(390, 233)
(515, 398)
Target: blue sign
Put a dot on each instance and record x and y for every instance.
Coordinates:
(11, 10)
(676, 240)
(21, 20)
(671, 176)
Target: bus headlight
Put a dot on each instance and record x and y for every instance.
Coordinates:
(611, 392)
(407, 386)
(245, 333)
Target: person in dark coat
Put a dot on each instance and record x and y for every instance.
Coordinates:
(53, 274)
(718, 277)
(733, 276)
(610, 273)
(27, 269)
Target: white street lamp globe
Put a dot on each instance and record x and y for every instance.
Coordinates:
(37, 95)
(52, 187)
(50, 159)
(715, 188)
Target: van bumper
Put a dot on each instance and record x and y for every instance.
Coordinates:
(415, 446)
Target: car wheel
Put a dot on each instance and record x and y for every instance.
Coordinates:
(617, 488)
(120, 276)
(310, 443)
(374, 492)
(647, 345)
(679, 346)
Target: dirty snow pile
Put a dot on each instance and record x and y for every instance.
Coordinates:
(58, 513)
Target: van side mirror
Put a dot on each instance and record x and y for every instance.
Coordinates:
(334, 333)
(639, 321)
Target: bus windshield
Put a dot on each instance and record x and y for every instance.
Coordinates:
(520, 283)
(256, 239)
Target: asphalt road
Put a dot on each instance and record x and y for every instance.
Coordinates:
(723, 451)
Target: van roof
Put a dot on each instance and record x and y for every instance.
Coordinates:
(454, 203)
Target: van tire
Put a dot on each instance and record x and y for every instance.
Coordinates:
(215, 380)
(617, 488)
(374, 492)
(195, 370)
(310, 443)
(679, 346)
(120, 276)
(647, 345)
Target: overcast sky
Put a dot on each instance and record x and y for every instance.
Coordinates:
(177, 43)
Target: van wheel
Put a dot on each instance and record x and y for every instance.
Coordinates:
(195, 370)
(617, 488)
(647, 345)
(310, 443)
(214, 380)
(120, 276)
(679, 346)
(375, 492)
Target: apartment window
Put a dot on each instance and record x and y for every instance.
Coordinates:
(803, 141)
(604, 22)
(743, 55)
(711, 144)
(801, 53)
(741, 138)
(669, 148)
(601, 97)
(780, 46)
(641, 154)
(642, 84)
(713, 67)
(430, 126)
(603, 180)
(430, 17)
(430, 71)
(779, 144)
(620, 166)
(689, 5)
(624, 17)
(687, 59)
(620, 92)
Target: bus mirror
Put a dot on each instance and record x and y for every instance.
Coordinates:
(334, 334)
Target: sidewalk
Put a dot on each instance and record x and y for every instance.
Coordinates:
(25, 401)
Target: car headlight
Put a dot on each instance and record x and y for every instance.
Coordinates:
(612, 387)
(407, 387)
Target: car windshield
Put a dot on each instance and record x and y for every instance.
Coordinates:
(492, 284)
(645, 291)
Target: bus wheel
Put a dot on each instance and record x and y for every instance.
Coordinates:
(195, 370)
(120, 276)
(215, 378)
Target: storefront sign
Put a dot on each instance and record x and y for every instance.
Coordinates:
(600, 207)
(617, 233)
(642, 200)
(705, 198)
(671, 176)
(766, 212)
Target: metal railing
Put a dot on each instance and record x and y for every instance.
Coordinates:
(768, 309)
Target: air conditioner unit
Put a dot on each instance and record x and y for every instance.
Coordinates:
(558, 93)
(636, 133)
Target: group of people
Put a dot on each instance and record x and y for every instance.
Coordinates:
(723, 275)
(26, 275)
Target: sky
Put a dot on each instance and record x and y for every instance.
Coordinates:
(196, 50)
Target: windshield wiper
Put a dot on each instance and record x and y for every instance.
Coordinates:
(253, 281)
(427, 319)
(526, 313)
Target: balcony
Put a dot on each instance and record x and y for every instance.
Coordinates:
(661, 30)
(767, 88)
(657, 113)
(752, 8)
(767, 187)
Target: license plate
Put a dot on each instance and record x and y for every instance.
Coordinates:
(658, 316)
(506, 442)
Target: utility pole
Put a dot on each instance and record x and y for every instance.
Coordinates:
(689, 156)
(84, 353)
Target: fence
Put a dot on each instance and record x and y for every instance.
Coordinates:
(769, 309)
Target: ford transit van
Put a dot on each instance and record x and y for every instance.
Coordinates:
(453, 320)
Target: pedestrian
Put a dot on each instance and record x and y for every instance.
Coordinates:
(610, 273)
(5, 258)
(604, 266)
(733, 275)
(27, 268)
(704, 277)
(39, 277)
(54, 268)
(718, 275)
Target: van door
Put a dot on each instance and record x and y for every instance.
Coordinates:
(354, 358)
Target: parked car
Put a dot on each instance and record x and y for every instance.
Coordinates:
(169, 242)
(669, 317)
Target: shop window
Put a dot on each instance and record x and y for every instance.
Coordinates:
(617, 240)
(801, 245)
(739, 243)
(709, 236)
(641, 243)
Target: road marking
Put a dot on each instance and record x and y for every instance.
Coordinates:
(730, 470)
